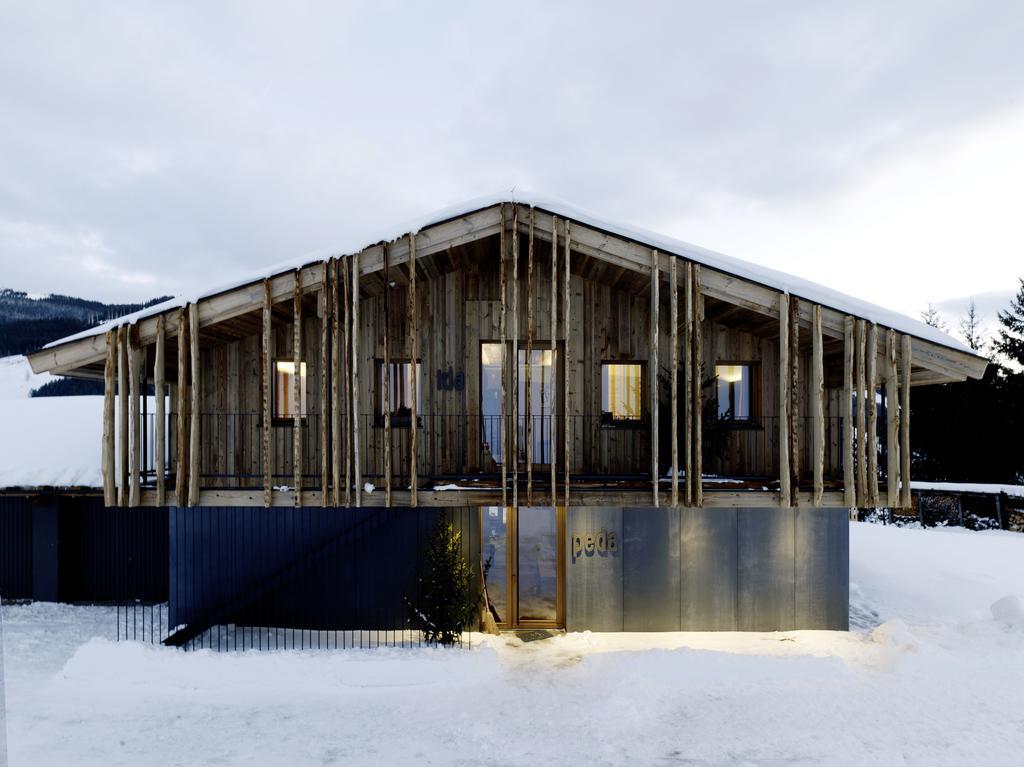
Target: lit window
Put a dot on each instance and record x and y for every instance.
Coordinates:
(284, 389)
(734, 387)
(621, 392)
(401, 382)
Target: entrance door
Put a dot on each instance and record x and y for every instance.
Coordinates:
(524, 557)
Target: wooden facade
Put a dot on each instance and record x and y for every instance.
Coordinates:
(571, 298)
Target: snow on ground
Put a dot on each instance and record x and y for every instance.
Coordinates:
(17, 379)
(938, 682)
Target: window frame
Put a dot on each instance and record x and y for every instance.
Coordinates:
(398, 421)
(289, 420)
(752, 420)
(606, 419)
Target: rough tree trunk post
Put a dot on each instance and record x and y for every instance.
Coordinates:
(871, 384)
(297, 391)
(785, 495)
(849, 490)
(515, 356)
(653, 364)
(325, 405)
(387, 375)
(181, 466)
(122, 412)
(698, 389)
(862, 441)
(504, 361)
(554, 362)
(336, 385)
(567, 311)
(135, 356)
(794, 399)
(193, 432)
(528, 384)
(892, 412)
(159, 381)
(357, 469)
(266, 388)
(674, 373)
(905, 501)
(109, 408)
(817, 405)
(413, 362)
(346, 378)
(688, 395)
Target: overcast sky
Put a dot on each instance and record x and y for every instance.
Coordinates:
(874, 147)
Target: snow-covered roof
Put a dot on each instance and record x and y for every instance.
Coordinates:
(969, 487)
(763, 275)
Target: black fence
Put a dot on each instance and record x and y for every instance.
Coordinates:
(255, 578)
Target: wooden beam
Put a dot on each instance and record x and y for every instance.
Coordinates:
(794, 398)
(194, 427)
(122, 403)
(337, 382)
(688, 394)
(906, 359)
(892, 412)
(505, 439)
(109, 447)
(134, 419)
(413, 359)
(785, 494)
(159, 384)
(698, 386)
(653, 376)
(567, 307)
(529, 363)
(387, 378)
(849, 486)
(515, 356)
(862, 441)
(346, 378)
(554, 356)
(673, 300)
(872, 415)
(266, 389)
(325, 404)
(357, 469)
(818, 406)
(181, 458)
(297, 392)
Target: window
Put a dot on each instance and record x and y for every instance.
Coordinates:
(284, 389)
(621, 392)
(734, 391)
(401, 381)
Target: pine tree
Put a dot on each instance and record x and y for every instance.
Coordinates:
(1010, 343)
(970, 327)
(932, 317)
(448, 601)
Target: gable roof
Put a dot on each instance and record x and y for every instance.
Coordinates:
(755, 273)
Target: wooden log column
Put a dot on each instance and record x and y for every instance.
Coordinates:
(414, 362)
(346, 378)
(387, 375)
(134, 417)
(181, 450)
(673, 301)
(785, 495)
(794, 399)
(528, 384)
(567, 364)
(337, 383)
(159, 383)
(698, 389)
(266, 384)
(297, 392)
(653, 365)
(514, 394)
(872, 415)
(503, 287)
(817, 405)
(849, 488)
(905, 360)
(193, 432)
(109, 450)
(357, 469)
(892, 412)
(122, 417)
(861, 416)
(688, 396)
(325, 405)
(554, 357)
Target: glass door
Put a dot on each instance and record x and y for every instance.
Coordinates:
(523, 554)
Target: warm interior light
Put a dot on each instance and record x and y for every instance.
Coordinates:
(729, 373)
(288, 367)
(491, 354)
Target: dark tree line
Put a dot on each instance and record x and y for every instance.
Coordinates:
(974, 431)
